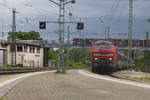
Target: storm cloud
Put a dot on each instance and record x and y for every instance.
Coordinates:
(96, 14)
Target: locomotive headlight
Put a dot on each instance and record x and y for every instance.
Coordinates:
(96, 59)
(110, 58)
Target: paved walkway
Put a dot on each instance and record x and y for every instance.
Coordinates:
(74, 86)
(9, 81)
(4, 78)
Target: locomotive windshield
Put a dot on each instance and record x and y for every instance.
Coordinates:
(108, 47)
(99, 46)
(103, 47)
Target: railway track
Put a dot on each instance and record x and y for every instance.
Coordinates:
(23, 70)
(107, 71)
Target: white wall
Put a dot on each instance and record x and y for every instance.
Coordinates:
(28, 59)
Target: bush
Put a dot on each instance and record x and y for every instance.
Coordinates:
(71, 63)
(143, 62)
(13, 66)
(78, 57)
(77, 64)
(88, 63)
(19, 65)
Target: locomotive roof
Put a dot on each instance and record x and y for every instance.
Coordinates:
(103, 41)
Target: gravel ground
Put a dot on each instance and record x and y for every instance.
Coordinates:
(74, 86)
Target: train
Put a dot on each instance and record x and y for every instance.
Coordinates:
(106, 58)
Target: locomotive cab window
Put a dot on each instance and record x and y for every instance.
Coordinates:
(108, 47)
(105, 47)
(99, 46)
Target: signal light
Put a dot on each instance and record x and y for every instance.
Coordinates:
(80, 26)
(42, 25)
(73, 1)
(70, 14)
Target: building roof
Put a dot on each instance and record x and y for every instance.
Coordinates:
(27, 44)
(103, 41)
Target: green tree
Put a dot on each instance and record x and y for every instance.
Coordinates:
(77, 57)
(53, 55)
(31, 35)
(148, 20)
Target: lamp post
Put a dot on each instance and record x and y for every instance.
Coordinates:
(61, 22)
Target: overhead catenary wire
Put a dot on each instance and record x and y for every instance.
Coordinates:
(34, 19)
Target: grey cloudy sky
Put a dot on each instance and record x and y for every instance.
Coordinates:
(96, 14)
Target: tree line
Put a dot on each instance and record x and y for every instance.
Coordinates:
(78, 57)
(31, 35)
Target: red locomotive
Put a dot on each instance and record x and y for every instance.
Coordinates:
(105, 57)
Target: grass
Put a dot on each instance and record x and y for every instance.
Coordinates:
(61, 72)
(142, 78)
(1, 98)
(145, 78)
(12, 66)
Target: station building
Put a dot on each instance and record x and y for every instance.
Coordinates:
(27, 54)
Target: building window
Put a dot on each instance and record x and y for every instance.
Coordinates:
(33, 50)
(38, 50)
(25, 48)
(12, 48)
(33, 63)
(19, 48)
(30, 63)
(30, 49)
(38, 64)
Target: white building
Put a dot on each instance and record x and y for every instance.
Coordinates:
(27, 54)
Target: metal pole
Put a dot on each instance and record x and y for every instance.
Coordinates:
(108, 32)
(61, 38)
(85, 50)
(63, 18)
(147, 35)
(130, 32)
(68, 34)
(13, 37)
(68, 42)
(2, 36)
(61, 34)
